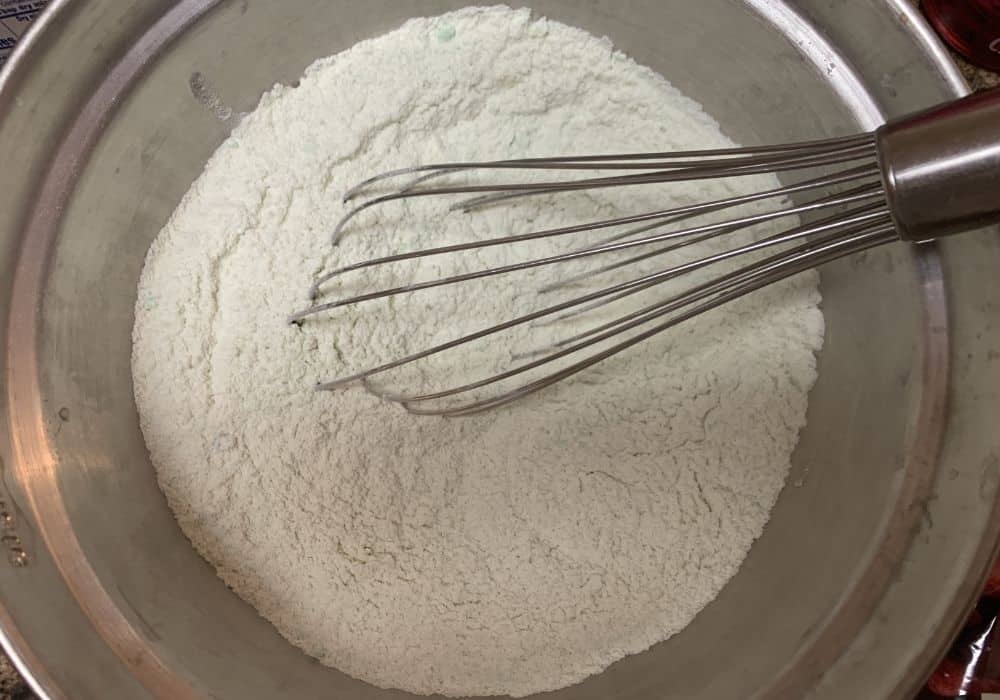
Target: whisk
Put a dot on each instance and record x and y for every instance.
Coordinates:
(914, 179)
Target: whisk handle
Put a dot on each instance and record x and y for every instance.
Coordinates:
(941, 167)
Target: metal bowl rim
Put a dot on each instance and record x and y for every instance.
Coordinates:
(19, 66)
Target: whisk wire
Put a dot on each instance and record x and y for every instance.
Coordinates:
(846, 200)
(848, 223)
(784, 267)
(642, 282)
(688, 172)
(661, 172)
(659, 218)
(562, 257)
(672, 303)
(595, 160)
(588, 274)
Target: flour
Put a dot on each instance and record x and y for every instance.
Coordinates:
(512, 552)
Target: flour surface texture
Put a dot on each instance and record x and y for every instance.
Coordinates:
(517, 551)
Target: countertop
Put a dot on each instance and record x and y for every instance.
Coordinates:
(12, 687)
(978, 78)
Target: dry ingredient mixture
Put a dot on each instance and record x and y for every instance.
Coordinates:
(516, 551)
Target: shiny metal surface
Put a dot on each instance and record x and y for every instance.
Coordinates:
(942, 167)
(881, 538)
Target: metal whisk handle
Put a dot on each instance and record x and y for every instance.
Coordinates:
(941, 167)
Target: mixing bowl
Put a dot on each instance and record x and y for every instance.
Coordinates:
(109, 111)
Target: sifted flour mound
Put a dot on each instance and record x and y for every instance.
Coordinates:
(512, 552)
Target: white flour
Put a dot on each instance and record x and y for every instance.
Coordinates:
(512, 552)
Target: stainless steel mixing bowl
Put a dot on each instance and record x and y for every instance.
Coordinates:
(110, 109)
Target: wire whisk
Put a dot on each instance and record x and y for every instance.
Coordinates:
(846, 195)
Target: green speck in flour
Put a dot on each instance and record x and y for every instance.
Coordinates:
(446, 33)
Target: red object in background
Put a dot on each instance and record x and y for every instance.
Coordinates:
(971, 27)
(972, 666)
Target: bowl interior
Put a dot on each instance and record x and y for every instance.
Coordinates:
(825, 531)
